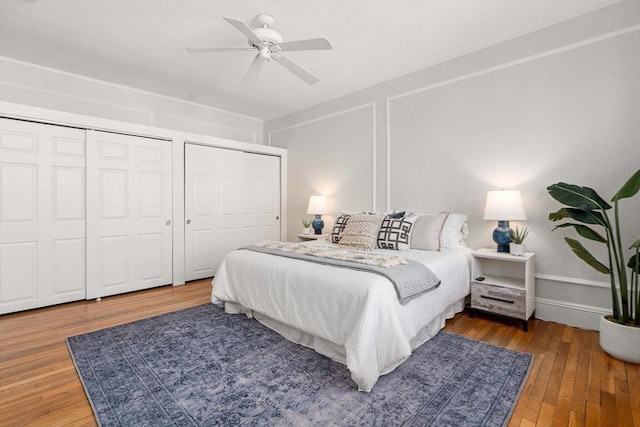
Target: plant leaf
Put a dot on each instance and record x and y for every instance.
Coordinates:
(584, 255)
(634, 263)
(630, 188)
(583, 198)
(635, 244)
(584, 231)
(587, 217)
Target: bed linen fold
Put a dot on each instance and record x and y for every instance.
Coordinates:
(410, 278)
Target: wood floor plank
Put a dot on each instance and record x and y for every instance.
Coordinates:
(633, 381)
(571, 381)
(576, 419)
(545, 419)
(623, 403)
(581, 338)
(595, 372)
(608, 412)
(593, 415)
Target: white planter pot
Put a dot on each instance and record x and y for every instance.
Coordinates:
(306, 230)
(620, 341)
(517, 249)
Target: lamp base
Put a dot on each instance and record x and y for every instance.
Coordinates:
(318, 224)
(501, 236)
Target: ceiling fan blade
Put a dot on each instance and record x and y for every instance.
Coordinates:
(295, 68)
(254, 70)
(244, 29)
(310, 44)
(217, 49)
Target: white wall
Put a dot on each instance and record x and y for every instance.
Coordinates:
(561, 104)
(326, 164)
(37, 86)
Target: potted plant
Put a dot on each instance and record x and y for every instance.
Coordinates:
(306, 223)
(619, 332)
(517, 246)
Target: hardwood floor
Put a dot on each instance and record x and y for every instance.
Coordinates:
(571, 383)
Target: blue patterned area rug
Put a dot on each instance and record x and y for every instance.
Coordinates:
(203, 367)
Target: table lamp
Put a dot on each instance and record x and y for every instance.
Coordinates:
(317, 206)
(503, 206)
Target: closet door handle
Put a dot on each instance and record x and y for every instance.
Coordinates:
(168, 222)
(188, 221)
(277, 218)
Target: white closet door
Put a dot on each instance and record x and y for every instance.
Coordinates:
(232, 199)
(261, 216)
(42, 215)
(129, 230)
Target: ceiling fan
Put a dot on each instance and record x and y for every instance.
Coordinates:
(269, 45)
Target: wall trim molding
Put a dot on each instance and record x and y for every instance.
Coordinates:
(121, 86)
(374, 157)
(374, 143)
(252, 134)
(509, 64)
(576, 315)
(387, 105)
(147, 114)
(520, 61)
(573, 280)
(319, 118)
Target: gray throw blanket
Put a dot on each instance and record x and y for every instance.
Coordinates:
(410, 280)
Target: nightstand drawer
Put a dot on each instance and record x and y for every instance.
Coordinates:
(500, 300)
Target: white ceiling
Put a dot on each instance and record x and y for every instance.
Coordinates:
(141, 43)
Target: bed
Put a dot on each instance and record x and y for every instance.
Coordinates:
(353, 317)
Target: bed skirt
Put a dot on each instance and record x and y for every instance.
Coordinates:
(335, 351)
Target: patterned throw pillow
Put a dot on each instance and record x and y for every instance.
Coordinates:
(338, 227)
(397, 214)
(395, 233)
(361, 232)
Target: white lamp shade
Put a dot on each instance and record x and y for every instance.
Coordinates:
(504, 205)
(317, 205)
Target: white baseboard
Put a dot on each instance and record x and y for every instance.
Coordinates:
(578, 315)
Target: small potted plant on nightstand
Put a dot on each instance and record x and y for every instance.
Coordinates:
(517, 246)
(306, 223)
(619, 332)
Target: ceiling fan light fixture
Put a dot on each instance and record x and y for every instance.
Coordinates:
(267, 35)
(265, 53)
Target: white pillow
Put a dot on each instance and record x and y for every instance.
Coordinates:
(454, 231)
(426, 231)
(361, 232)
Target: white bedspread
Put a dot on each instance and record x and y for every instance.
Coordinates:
(352, 309)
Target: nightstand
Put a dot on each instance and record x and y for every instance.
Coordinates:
(302, 237)
(503, 284)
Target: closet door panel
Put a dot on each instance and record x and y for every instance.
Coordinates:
(18, 275)
(42, 215)
(202, 244)
(269, 198)
(228, 204)
(129, 218)
(200, 234)
(113, 264)
(69, 272)
(68, 193)
(18, 193)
